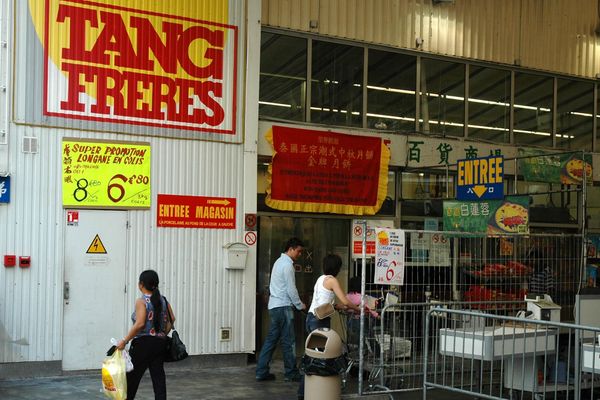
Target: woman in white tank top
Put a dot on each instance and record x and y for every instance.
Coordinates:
(326, 289)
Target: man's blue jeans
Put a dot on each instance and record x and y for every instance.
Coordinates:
(281, 327)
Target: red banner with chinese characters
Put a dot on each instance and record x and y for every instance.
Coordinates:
(176, 211)
(319, 171)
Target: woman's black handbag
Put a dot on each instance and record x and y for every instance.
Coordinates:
(176, 350)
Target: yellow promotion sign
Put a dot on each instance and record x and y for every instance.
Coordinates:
(102, 174)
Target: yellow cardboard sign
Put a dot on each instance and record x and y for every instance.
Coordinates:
(96, 247)
(99, 174)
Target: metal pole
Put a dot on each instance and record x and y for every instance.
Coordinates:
(363, 276)
(447, 183)
(583, 250)
(516, 178)
(455, 292)
(425, 355)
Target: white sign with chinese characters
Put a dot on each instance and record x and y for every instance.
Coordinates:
(390, 247)
(439, 254)
(429, 249)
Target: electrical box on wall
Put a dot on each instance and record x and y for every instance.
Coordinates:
(236, 255)
(225, 334)
(10, 260)
(24, 261)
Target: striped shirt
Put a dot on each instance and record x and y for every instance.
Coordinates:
(542, 281)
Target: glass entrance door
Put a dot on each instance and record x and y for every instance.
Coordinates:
(321, 237)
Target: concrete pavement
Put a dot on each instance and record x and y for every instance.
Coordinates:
(182, 383)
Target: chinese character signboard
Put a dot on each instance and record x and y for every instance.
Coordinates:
(4, 189)
(430, 152)
(480, 178)
(390, 246)
(175, 211)
(138, 63)
(319, 171)
(492, 216)
(566, 168)
(98, 174)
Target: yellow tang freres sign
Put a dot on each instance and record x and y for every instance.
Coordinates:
(98, 174)
(158, 63)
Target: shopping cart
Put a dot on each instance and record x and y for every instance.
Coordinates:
(372, 368)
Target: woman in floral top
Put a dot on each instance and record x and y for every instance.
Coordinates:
(148, 335)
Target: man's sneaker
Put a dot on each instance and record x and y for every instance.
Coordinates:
(293, 378)
(267, 377)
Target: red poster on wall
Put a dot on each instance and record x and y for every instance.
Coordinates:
(318, 171)
(176, 211)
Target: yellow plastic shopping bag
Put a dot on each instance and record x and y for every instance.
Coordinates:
(114, 378)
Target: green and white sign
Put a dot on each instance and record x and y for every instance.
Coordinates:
(566, 168)
(510, 215)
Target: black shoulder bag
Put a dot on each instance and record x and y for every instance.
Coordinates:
(176, 350)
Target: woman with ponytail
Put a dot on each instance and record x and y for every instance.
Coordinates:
(148, 334)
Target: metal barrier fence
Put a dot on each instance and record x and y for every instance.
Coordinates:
(455, 271)
(510, 357)
(392, 358)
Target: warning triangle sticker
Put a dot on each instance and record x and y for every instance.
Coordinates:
(96, 247)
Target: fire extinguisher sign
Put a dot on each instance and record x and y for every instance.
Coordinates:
(390, 245)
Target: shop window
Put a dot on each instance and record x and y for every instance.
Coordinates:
(337, 84)
(391, 91)
(423, 193)
(533, 109)
(442, 97)
(283, 67)
(575, 101)
(489, 104)
(426, 185)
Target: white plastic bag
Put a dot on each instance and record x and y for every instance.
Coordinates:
(128, 363)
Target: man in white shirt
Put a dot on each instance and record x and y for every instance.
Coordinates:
(282, 301)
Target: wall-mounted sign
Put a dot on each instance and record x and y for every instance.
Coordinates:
(566, 168)
(175, 211)
(250, 238)
(96, 247)
(357, 235)
(510, 215)
(101, 174)
(480, 178)
(138, 63)
(322, 171)
(72, 218)
(4, 189)
(250, 221)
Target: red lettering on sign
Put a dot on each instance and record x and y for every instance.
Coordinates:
(137, 68)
